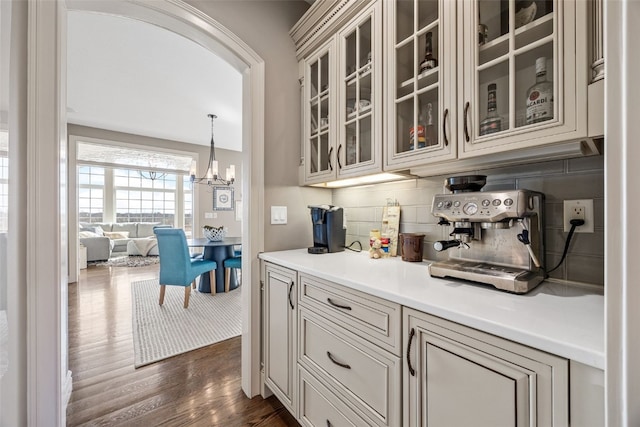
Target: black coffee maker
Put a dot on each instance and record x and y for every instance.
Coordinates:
(328, 229)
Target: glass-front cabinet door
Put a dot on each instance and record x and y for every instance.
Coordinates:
(420, 82)
(360, 106)
(319, 116)
(520, 85)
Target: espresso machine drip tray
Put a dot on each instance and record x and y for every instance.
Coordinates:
(506, 278)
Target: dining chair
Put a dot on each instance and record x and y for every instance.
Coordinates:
(176, 265)
(229, 263)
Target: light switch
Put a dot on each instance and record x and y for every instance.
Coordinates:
(210, 215)
(278, 215)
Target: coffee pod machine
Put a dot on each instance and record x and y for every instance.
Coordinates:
(329, 231)
(496, 237)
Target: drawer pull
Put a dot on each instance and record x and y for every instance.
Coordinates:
(289, 296)
(342, 365)
(344, 307)
(411, 370)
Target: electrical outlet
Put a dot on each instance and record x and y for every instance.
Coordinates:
(578, 209)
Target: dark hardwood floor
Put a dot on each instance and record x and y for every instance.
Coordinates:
(198, 388)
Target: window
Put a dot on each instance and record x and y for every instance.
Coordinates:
(188, 205)
(140, 199)
(127, 195)
(91, 194)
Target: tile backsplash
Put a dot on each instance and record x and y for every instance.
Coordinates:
(559, 180)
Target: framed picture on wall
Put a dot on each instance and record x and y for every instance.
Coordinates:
(223, 199)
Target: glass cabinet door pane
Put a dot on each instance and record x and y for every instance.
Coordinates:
(366, 144)
(404, 19)
(313, 161)
(427, 12)
(535, 87)
(493, 100)
(351, 145)
(313, 80)
(324, 152)
(364, 98)
(350, 55)
(324, 73)
(364, 32)
(404, 125)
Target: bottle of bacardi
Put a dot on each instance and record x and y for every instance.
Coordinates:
(492, 122)
(540, 95)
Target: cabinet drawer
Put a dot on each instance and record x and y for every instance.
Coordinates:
(365, 375)
(320, 407)
(375, 319)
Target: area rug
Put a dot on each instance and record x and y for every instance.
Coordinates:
(163, 331)
(128, 261)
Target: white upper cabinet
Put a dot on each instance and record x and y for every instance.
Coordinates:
(505, 80)
(360, 107)
(524, 74)
(342, 93)
(420, 82)
(319, 112)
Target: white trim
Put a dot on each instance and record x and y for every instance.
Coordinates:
(46, 131)
(622, 293)
(67, 389)
(47, 66)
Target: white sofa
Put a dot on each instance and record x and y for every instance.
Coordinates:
(112, 238)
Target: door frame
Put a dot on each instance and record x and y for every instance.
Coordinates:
(48, 381)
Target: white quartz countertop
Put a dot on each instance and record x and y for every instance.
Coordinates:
(565, 320)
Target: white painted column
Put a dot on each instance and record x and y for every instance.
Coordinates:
(622, 200)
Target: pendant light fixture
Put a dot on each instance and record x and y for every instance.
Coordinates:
(212, 177)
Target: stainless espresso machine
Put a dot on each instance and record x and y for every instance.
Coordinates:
(496, 236)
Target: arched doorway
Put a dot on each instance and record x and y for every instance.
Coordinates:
(46, 352)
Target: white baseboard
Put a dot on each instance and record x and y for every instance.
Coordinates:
(67, 389)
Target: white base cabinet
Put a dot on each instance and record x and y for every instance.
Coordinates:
(458, 376)
(280, 331)
(335, 356)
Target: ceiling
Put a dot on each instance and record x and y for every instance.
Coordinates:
(129, 76)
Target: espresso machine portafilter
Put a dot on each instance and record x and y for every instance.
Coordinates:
(496, 237)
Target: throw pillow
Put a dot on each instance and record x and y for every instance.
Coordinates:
(84, 234)
(117, 234)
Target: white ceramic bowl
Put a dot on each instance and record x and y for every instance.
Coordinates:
(214, 234)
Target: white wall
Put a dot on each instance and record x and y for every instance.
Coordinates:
(264, 25)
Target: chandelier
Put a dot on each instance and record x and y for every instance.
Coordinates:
(211, 177)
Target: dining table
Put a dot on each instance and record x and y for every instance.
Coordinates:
(216, 251)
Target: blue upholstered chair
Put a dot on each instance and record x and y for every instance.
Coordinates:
(229, 263)
(176, 265)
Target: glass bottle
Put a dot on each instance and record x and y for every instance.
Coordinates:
(430, 134)
(540, 95)
(492, 122)
(429, 62)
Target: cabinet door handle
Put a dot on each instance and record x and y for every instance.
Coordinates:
(411, 370)
(444, 127)
(342, 365)
(328, 423)
(289, 296)
(330, 153)
(466, 127)
(344, 307)
(338, 156)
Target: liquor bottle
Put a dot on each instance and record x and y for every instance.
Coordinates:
(492, 123)
(429, 60)
(540, 95)
(430, 134)
(483, 31)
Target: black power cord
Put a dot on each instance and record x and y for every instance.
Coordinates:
(353, 243)
(574, 223)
